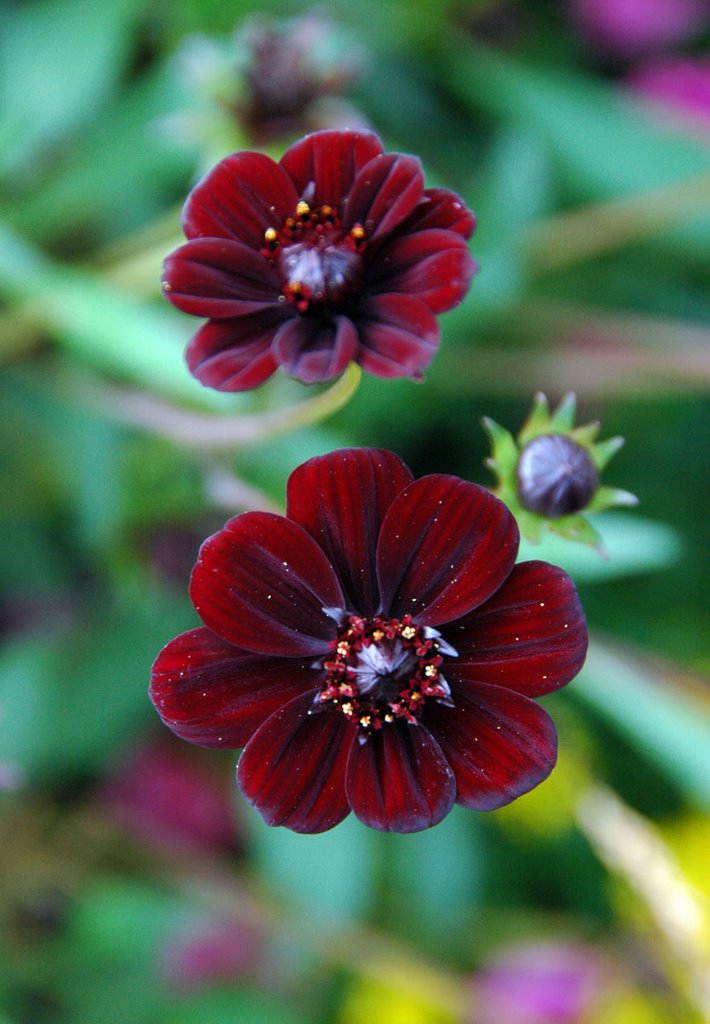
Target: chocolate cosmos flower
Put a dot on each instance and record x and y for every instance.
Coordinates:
(337, 253)
(374, 650)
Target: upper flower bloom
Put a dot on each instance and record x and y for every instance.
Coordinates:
(375, 649)
(336, 253)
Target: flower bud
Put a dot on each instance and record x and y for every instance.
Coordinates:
(556, 476)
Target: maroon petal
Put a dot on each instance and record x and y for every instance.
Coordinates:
(235, 355)
(399, 780)
(530, 637)
(341, 500)
(313, 350)
(216, 277)
(434, 265)
(240, 198)
(445, 546)
(262, 583)
(323, 165)
(210, 692)
(499, 744)
(385, 191)
(398, 336)
(293, 768)
(440, 208)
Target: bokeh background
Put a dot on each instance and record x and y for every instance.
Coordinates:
(135, 885)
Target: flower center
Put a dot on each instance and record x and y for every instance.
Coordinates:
(320, 264)
(384, 669)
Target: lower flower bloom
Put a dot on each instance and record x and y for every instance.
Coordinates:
(376, 650)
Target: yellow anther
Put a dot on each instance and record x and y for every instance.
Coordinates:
(347, 708)
(430, 671)
(270, 235)
(366, 720)
(389, 717)
(409, 632)
(343, 649)
(377, 635)
(302, 209)
(357, 232)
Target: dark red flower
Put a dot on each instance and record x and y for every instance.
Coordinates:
(374, 650)
(335, 254)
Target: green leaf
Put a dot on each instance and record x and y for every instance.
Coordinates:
(329, 876)
(101, 325)
(119, 173)
(59, 61)
(440, 911)
(602, 142)
(643, 702)
(67, 701)
(633, 545)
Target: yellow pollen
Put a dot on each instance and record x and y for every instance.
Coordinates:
(415, 696)
(377, 635)
(343, 649)
(347, 708)
(270, 235)
(409, 632)
(302, 209)
(366, 720)
(357, 233)
(430, 671)
(389, 717)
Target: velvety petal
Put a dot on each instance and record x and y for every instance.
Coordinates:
(341, 500)
(262, 583)
(210, 692)
(498, 743)
(446, 545)
(314, 350)
(399, 780)
(435, 266)
(385, 191)
(240, 198)
(398, 336)
(216, 277)
(293, 768)
(530, 637)
(440, 208)
(324, 164)
(235, 355)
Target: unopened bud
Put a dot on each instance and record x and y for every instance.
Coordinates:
(556, 476)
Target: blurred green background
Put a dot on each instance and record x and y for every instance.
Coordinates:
(135, 885)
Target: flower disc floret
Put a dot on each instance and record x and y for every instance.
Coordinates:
(335, 254)
(375, 650)
(382, 670)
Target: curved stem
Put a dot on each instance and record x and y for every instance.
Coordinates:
(201, 430)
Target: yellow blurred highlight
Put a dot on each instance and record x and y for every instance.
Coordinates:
(372, 1000)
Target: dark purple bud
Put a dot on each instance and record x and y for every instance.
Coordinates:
(556, 476)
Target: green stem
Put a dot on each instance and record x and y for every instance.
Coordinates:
(205, 431)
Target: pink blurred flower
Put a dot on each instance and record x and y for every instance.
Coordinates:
(627, 28)
(680, 85)
(166, 800)
(216, 951)
(539, 983)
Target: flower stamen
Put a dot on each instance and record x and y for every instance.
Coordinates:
(382, 670)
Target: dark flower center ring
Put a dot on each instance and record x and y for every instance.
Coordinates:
(319, 263)
(382, 670)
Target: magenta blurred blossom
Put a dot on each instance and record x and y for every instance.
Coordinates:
(216, 951)
(539, 983)
(627, 28)
(680, 85)
(163, 798)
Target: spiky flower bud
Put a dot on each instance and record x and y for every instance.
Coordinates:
(556, 476)
(550, 474)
